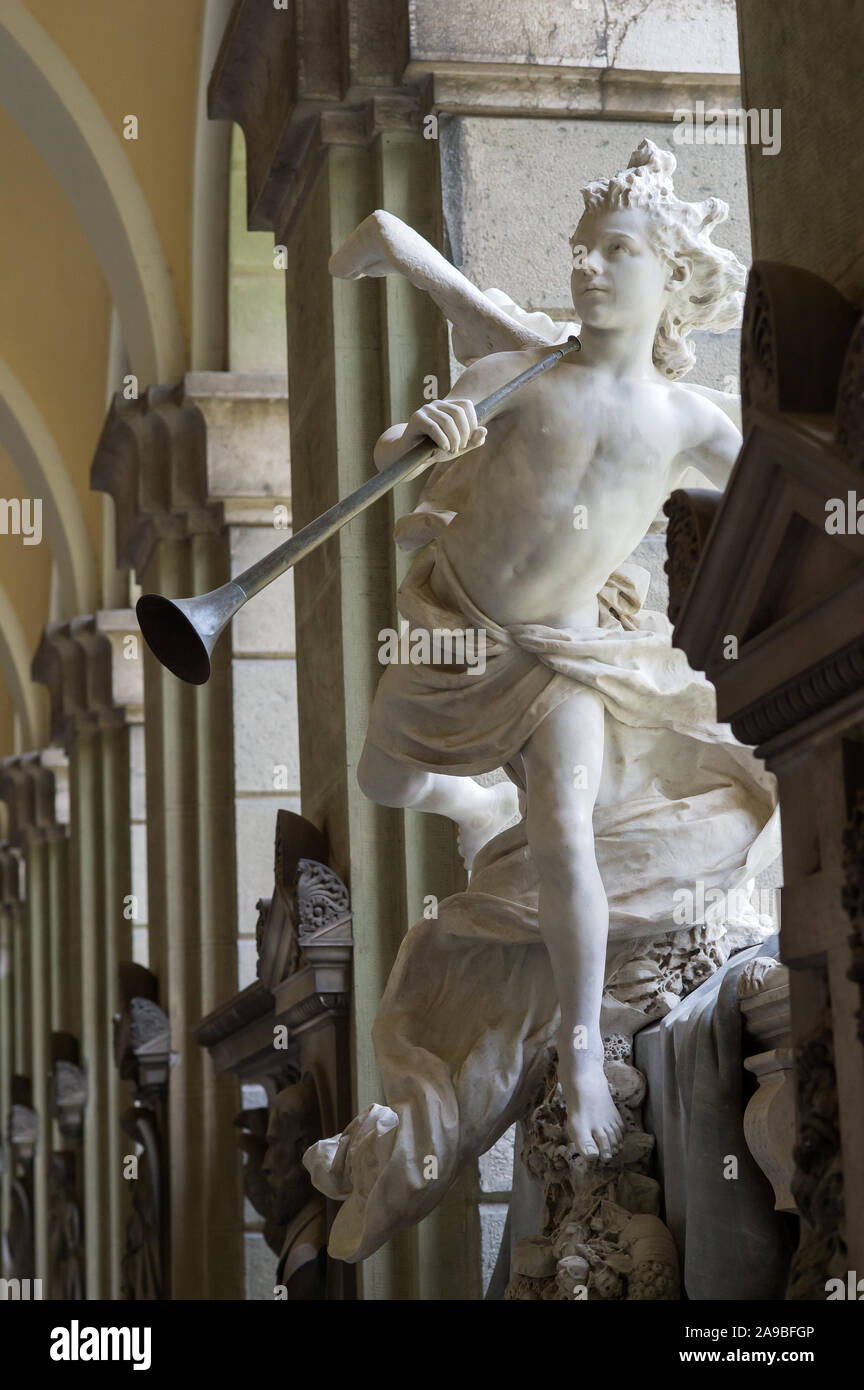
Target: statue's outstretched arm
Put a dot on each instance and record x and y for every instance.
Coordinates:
(384, 245)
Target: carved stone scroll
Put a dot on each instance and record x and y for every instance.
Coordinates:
(769, 1119)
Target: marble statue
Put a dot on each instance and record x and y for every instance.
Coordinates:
(624, 784)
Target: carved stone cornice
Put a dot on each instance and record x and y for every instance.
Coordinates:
(152, 459)
(248, 436)
(35, 789)
(92, 669)
(561, 91)
(298, 80)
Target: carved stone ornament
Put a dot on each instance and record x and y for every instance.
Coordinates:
(769, 1119)
(602, 1236)
(145, 1257)
(690, 512)
(853, 898)
(280, 1189)
(23, 1131)
(142, 1046)
(68, 1097)
(818, 1182)
(322, 900)
(783, 366)
(849, 423)
(64, 1229)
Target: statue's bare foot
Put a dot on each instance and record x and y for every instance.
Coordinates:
(483, 825)
(593, 1123)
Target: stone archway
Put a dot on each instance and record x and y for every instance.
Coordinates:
(57, 110)
(26, 436)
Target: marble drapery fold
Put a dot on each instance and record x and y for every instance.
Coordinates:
(470, 1008)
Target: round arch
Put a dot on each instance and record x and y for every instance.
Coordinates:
(15, 662)
(31, 446)
(55, 107)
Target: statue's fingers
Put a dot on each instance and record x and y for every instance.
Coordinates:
(477, 438)
(435, 434)
(457, 413)
(470, 412)
(448, 436)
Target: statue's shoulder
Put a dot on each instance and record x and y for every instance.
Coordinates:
(494, 368)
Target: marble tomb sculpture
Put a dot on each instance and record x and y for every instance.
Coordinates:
(625, 786)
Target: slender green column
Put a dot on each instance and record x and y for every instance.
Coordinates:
(89, 912)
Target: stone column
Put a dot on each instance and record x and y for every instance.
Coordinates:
(199, 477)
(35, 808)
(11, 913)
(92, 669)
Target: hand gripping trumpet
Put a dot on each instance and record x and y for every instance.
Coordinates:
(182, 632)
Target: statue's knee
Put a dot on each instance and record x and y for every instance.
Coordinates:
(370, 774)
(561, 842)
(389, 783)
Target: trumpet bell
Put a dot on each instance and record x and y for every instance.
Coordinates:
(182, 632)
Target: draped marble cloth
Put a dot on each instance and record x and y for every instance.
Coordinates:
(470, 1006)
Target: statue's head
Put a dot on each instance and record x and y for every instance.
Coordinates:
(639, 251)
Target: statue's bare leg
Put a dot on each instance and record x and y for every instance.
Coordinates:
(479, 812)
(563, 760)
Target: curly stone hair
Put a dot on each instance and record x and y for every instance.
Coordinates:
(680, 232)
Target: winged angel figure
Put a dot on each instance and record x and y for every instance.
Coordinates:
(628, 787)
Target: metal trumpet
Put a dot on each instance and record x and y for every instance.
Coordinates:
(182, 632)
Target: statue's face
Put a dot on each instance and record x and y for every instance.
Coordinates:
(618, 279)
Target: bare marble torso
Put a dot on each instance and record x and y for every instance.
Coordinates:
(571, 439)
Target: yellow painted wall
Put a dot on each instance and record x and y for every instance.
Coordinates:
(140, 59)
(56, 310)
